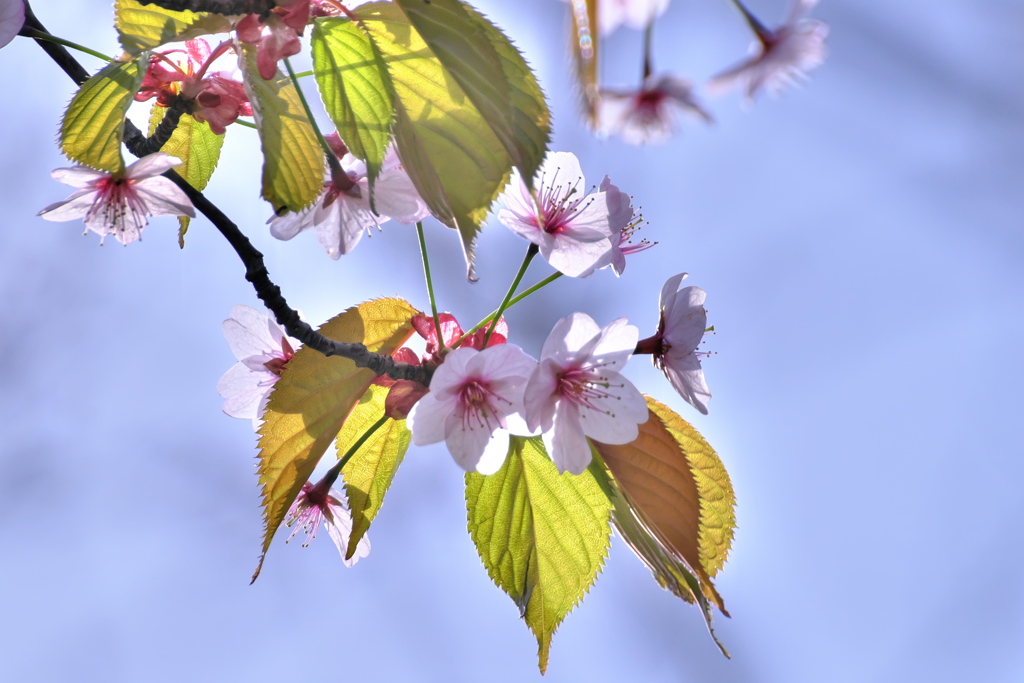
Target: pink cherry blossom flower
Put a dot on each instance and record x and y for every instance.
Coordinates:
(779, 56)
(321, 503)
(648, 115)
(471, 396)
(577, 392)
(620, 208)
(119, 204)
(680, 329)
(342, 214)
(276, 35)
(262, 349)
(216, 98)
(573, 232)
(12, 18)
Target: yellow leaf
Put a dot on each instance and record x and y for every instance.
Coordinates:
(312, 399)
(143, 27)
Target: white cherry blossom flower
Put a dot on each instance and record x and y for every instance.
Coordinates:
(648, 115)
(119, 204)
(620, 207)
(321, 503)
(577, 392)
(472, 395)
(262, 349)
(342, 214)
(680, 329)
(12, 18)
(778, 57)
(572, 231)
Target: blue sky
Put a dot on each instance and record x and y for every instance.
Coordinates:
(860, 243)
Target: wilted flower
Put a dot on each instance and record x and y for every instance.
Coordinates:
(342, 214)
(262, 349)
(572, 231)
(648, 115)
(322, 503)
(12, 18)
(779, 56)
(276, 35)
(119, 204)
(471, 395)
(577, 392)
(680, 329)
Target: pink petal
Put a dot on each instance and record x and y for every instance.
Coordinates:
(565, 441)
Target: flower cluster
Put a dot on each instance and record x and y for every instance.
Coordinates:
(275, 35)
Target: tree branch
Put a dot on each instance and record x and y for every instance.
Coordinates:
(255, 269)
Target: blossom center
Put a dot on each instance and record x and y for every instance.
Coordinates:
(477, 403)
(582, 386)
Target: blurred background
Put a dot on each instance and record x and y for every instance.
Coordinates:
(860, 242)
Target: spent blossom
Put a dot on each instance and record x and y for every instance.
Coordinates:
(573, 231)
(648, 115)
(681, 327)
(12, 18)
(471, 396)
(778, 57)
(577, 392)
(262, 349)
(276, 35)
(119, 204)
(343, 214)
(321, 503)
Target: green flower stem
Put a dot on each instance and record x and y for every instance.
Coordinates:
(30, 32)
(430, 284)
(245, 123)
(332, 160)
(336, 470)
(516, 299)
(304, 74)
(530, 253)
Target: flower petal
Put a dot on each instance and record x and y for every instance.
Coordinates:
(151, 165)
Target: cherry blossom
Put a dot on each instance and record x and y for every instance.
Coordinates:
(262, 349)
(276, 35)
(620, 207)
(321, 503)
(216, 98)
(471, 396)
(778, 57)
(648, 115)
(12, 18)
(573, 232)
(577, 392)
(681, 326)
(342, 214)
(119, 204)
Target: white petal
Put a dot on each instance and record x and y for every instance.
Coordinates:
(494, 453)
(575, 258)
(569, 335)
(613, 418)
(78, 176)
(243, 390)
(539, 399)
(75, 206)
(566, 443)
(669, 289)
(151, 165)
(290, 224)
(248, 333)
(426, 419)
(615, 345)
(687, 320)
(687, 378)
(164, 198)
(467, 439)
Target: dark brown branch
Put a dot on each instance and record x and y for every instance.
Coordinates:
(163, 132)
(255, 268)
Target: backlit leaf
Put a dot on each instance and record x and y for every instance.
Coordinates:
(355, 88)
(491, 72)
(542, 536)
(197, 146)
(369, 473)
(93, 125)
(585, 42)
(293, 163)
(143, 27)
(452, 155)
(312, 399)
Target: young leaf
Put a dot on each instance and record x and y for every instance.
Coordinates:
(542, 536)
(657, 474)
(369, 473)
(93, 125)
(451, 153)
(143, 27)
(293, 163)
(585, 43)
(197, 146)
(355, 88)
(312, 399)
(492, 73)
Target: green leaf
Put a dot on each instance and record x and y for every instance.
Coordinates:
(542, 536)
(369, 473)
(312, 399)
(197, 146)
(355, 88)
(93, 125)
(452, 155)
(293, 163)
(491, 72)
(143, 27)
